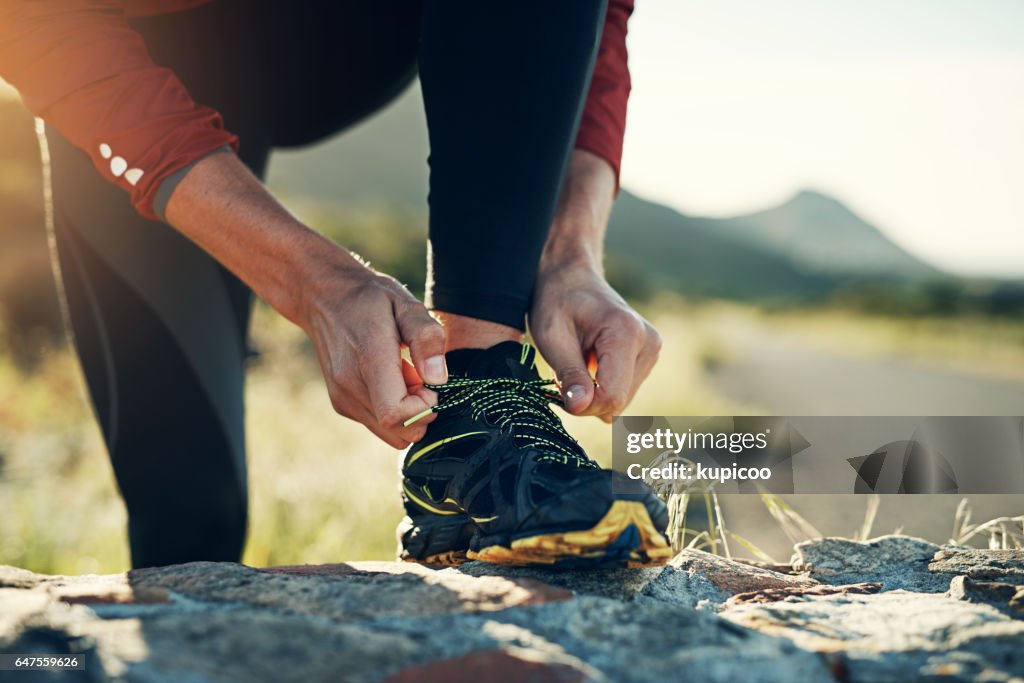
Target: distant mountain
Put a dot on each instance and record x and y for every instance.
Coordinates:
(820, 233)
(694, 256)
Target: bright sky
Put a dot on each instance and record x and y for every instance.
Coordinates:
(911, 112)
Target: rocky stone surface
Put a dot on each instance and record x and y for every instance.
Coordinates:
(893, 561)
(1005, 597)
(1006, 566)
(891, 609)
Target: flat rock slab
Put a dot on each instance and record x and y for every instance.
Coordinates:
(1006, 597)
(904, 562)
(897, 635)
(1004, 566)
(896, 562)
(693, 579)
(701, 618)
(381, 621)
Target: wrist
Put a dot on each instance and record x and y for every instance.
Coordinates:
(314, 267)
(569, 251)
(577, 233)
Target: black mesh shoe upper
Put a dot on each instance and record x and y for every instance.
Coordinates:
(500, 454)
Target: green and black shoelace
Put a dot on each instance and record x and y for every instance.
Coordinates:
(522, 405)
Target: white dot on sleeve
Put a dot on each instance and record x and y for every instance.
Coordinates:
(118, 166)
(132, 175)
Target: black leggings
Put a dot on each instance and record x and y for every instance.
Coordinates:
(160, 327)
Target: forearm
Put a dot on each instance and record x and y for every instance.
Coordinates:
(581, 219)
(224, 209)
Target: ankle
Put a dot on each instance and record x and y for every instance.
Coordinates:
(462, 332)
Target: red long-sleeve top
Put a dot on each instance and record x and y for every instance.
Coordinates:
(81, 67)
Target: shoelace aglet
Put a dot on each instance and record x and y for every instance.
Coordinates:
(417, 418)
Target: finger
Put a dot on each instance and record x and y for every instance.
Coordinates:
(563, 352)
(380, 363)
(411, 377)
(647, 359)
(414, 385)
(355, 407)
(339, 376)
(354, 410)
(425, 338)
(399, 438)
(388, 436)
(616, 360)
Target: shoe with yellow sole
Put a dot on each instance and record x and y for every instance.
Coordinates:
(498, 479)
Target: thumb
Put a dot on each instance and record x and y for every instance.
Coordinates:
(425, 338)
(562, 351)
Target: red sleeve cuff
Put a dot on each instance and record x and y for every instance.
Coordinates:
(157, 130)
(603, 124)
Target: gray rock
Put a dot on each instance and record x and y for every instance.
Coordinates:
(702, 618)
(729, 577)
(12, 577)
(364, 622)
(694, 578)
(1006, 566)
(894, 561)
(904, 562)
(620, 584)
(351, 591)
(896, 636)
(795, 592)
(1006, 597)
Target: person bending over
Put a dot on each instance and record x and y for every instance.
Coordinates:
(160, 117)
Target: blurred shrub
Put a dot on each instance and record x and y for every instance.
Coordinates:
(940, 297)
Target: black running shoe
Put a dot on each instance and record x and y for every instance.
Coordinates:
(497, 478)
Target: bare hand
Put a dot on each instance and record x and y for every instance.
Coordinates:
(359, 320)
(581, 324)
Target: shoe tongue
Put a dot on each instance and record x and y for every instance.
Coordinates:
(507, 359)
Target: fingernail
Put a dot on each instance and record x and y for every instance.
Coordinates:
(435, 371)
(575, 393)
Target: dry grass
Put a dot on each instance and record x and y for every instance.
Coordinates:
(1000, 533)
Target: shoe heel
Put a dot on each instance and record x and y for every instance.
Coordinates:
(435, 539)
